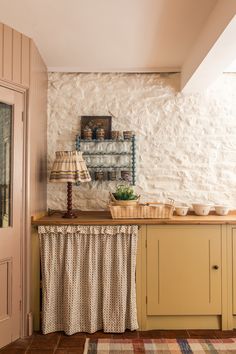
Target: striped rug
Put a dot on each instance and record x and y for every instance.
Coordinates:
(164, 346)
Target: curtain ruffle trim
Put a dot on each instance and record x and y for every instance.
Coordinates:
(96, 230)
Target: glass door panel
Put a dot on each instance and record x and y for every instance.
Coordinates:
(5, 164)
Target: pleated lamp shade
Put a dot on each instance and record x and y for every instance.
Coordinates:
(69, 167)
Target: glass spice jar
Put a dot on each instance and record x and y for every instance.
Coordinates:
(125, 175)
(88, 134)
(112, 175)
(115, 135)
(127, 134)
(99, 175)
(100, 134)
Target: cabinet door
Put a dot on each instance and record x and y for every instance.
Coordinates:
(183, 270)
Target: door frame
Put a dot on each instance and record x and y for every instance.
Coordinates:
(25, 253)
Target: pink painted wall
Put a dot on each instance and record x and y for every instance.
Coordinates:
(37, 131)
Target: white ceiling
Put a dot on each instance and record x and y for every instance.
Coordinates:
(231, 68)
(110, 35)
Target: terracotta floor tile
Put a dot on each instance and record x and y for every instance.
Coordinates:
(22, 343)
(8, 350)
(47, 341)
(74, 341)
(204, 334)
(99, 334)
(163, 334)
(40, 351)
(150, 334)
(70, 351)
(60, 343)
(226, 334)
(126, 334)
(174, 334)
(76, 335)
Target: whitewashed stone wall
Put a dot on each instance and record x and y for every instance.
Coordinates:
(186, 144)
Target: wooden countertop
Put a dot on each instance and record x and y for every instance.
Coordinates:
(104, 218)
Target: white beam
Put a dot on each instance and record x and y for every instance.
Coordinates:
(213, 51)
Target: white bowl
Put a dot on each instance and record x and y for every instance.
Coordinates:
(202, 209)
(181, 210)
(221, 209)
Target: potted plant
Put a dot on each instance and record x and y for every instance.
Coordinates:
(124, 195)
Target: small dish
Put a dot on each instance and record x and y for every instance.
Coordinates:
(201, 209)
(222, 209)
(181, 210)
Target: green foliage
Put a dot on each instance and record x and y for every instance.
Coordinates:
(125, 192)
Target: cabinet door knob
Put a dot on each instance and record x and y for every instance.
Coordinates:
(215, 267)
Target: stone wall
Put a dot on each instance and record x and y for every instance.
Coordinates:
(186, 144)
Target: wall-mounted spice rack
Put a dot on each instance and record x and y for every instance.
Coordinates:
(110, 159)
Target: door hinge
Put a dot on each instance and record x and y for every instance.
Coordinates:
(22, 116)
(146, 300)
(146, 243)
(20, 305)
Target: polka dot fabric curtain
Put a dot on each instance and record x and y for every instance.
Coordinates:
(88, 278)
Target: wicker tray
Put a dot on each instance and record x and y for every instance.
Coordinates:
(142, 211)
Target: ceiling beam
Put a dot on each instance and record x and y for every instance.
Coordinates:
(214, 50)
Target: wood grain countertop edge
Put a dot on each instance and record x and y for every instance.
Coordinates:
(104, 218)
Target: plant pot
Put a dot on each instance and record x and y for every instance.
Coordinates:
(124, 202)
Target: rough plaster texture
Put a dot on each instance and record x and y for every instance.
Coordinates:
(186, 144)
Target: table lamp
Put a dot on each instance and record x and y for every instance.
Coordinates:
(70, 167)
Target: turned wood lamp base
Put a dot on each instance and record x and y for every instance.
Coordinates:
(70, 214)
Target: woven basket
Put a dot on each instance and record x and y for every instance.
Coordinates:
(142, 211)
(124, 202)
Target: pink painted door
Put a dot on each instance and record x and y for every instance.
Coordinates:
(11, 168)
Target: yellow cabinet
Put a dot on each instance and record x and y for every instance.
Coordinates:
(183, 270)
(184, 277)
(234, 269)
